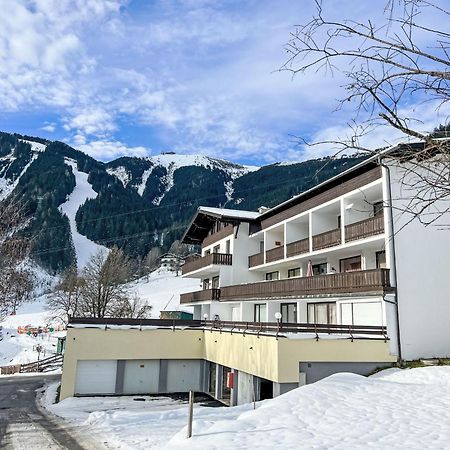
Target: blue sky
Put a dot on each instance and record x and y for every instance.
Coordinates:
(118, 77)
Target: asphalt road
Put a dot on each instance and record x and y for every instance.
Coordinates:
(24, 425)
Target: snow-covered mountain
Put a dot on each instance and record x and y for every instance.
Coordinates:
(78, 205)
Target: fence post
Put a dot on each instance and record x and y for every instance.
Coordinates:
(190, 414)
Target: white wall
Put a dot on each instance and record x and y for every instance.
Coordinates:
(423, 276)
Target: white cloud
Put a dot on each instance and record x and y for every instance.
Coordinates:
(108, 150)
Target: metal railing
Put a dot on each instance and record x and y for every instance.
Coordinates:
(268, 328)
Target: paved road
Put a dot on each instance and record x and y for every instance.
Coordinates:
(23, 425)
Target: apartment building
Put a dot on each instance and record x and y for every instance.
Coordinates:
(335, 279)
(339, 253)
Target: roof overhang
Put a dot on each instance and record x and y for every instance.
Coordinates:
(204, 219)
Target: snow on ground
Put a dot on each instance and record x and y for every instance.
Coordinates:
(162, 289)
(121, 174)
(130, 424)
(83, 191)
(395, 409)
(19, 348)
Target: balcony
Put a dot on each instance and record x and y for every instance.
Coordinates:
(275, 254)
(364, 228)
(297, 247)
(374, 280)
(256, 260)
(200, 296)
(193, 264)
(327, 239)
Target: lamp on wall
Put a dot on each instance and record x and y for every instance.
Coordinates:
(349, 206)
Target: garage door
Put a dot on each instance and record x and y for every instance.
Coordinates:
(183, 375)
(141, 377)
(96, 377)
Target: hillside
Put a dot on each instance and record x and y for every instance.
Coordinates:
(78, 204)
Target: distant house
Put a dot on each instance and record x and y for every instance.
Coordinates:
(171, 261)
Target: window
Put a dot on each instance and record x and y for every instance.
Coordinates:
(227, 247)
(363, 313)
(289, 312)
(261, 246)
(260, 312)
(206, 283)
(272, 276)
(350, 264)
(207, 252)
(377, 209)
(322, 313)
(381, 260)
(215, 283)
(292, 273)
(319, 269)
(339, 221)
(216, 249)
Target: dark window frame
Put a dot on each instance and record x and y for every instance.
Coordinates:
(346, 259)
(328, 311)
(294, 276)
(271, 273)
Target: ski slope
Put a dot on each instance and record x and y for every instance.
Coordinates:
(84, 248)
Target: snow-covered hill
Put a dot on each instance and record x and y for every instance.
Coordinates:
(161, 290)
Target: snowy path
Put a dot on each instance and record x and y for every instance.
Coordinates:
(23, 425)
(83, 191)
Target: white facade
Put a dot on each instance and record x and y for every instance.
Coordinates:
(417, 258)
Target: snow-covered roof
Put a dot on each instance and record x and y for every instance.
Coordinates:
(229, 213)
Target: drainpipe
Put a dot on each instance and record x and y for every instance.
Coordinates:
(394, 260)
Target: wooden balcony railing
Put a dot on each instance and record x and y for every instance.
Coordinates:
(297, 247)
(338, 283)
(200, 296)
(274, 254)
(327, 239)
(190, 265)
(364, 228)
(256, 260)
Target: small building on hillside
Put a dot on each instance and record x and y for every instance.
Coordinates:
(171, 261)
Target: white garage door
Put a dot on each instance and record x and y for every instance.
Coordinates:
(183, 375)
(96, 377)
(141, 377)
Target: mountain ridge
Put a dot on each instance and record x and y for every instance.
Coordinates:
(140, 203)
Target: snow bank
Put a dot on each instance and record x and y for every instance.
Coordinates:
(84, 248)
(403, 409)
(395, 409)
